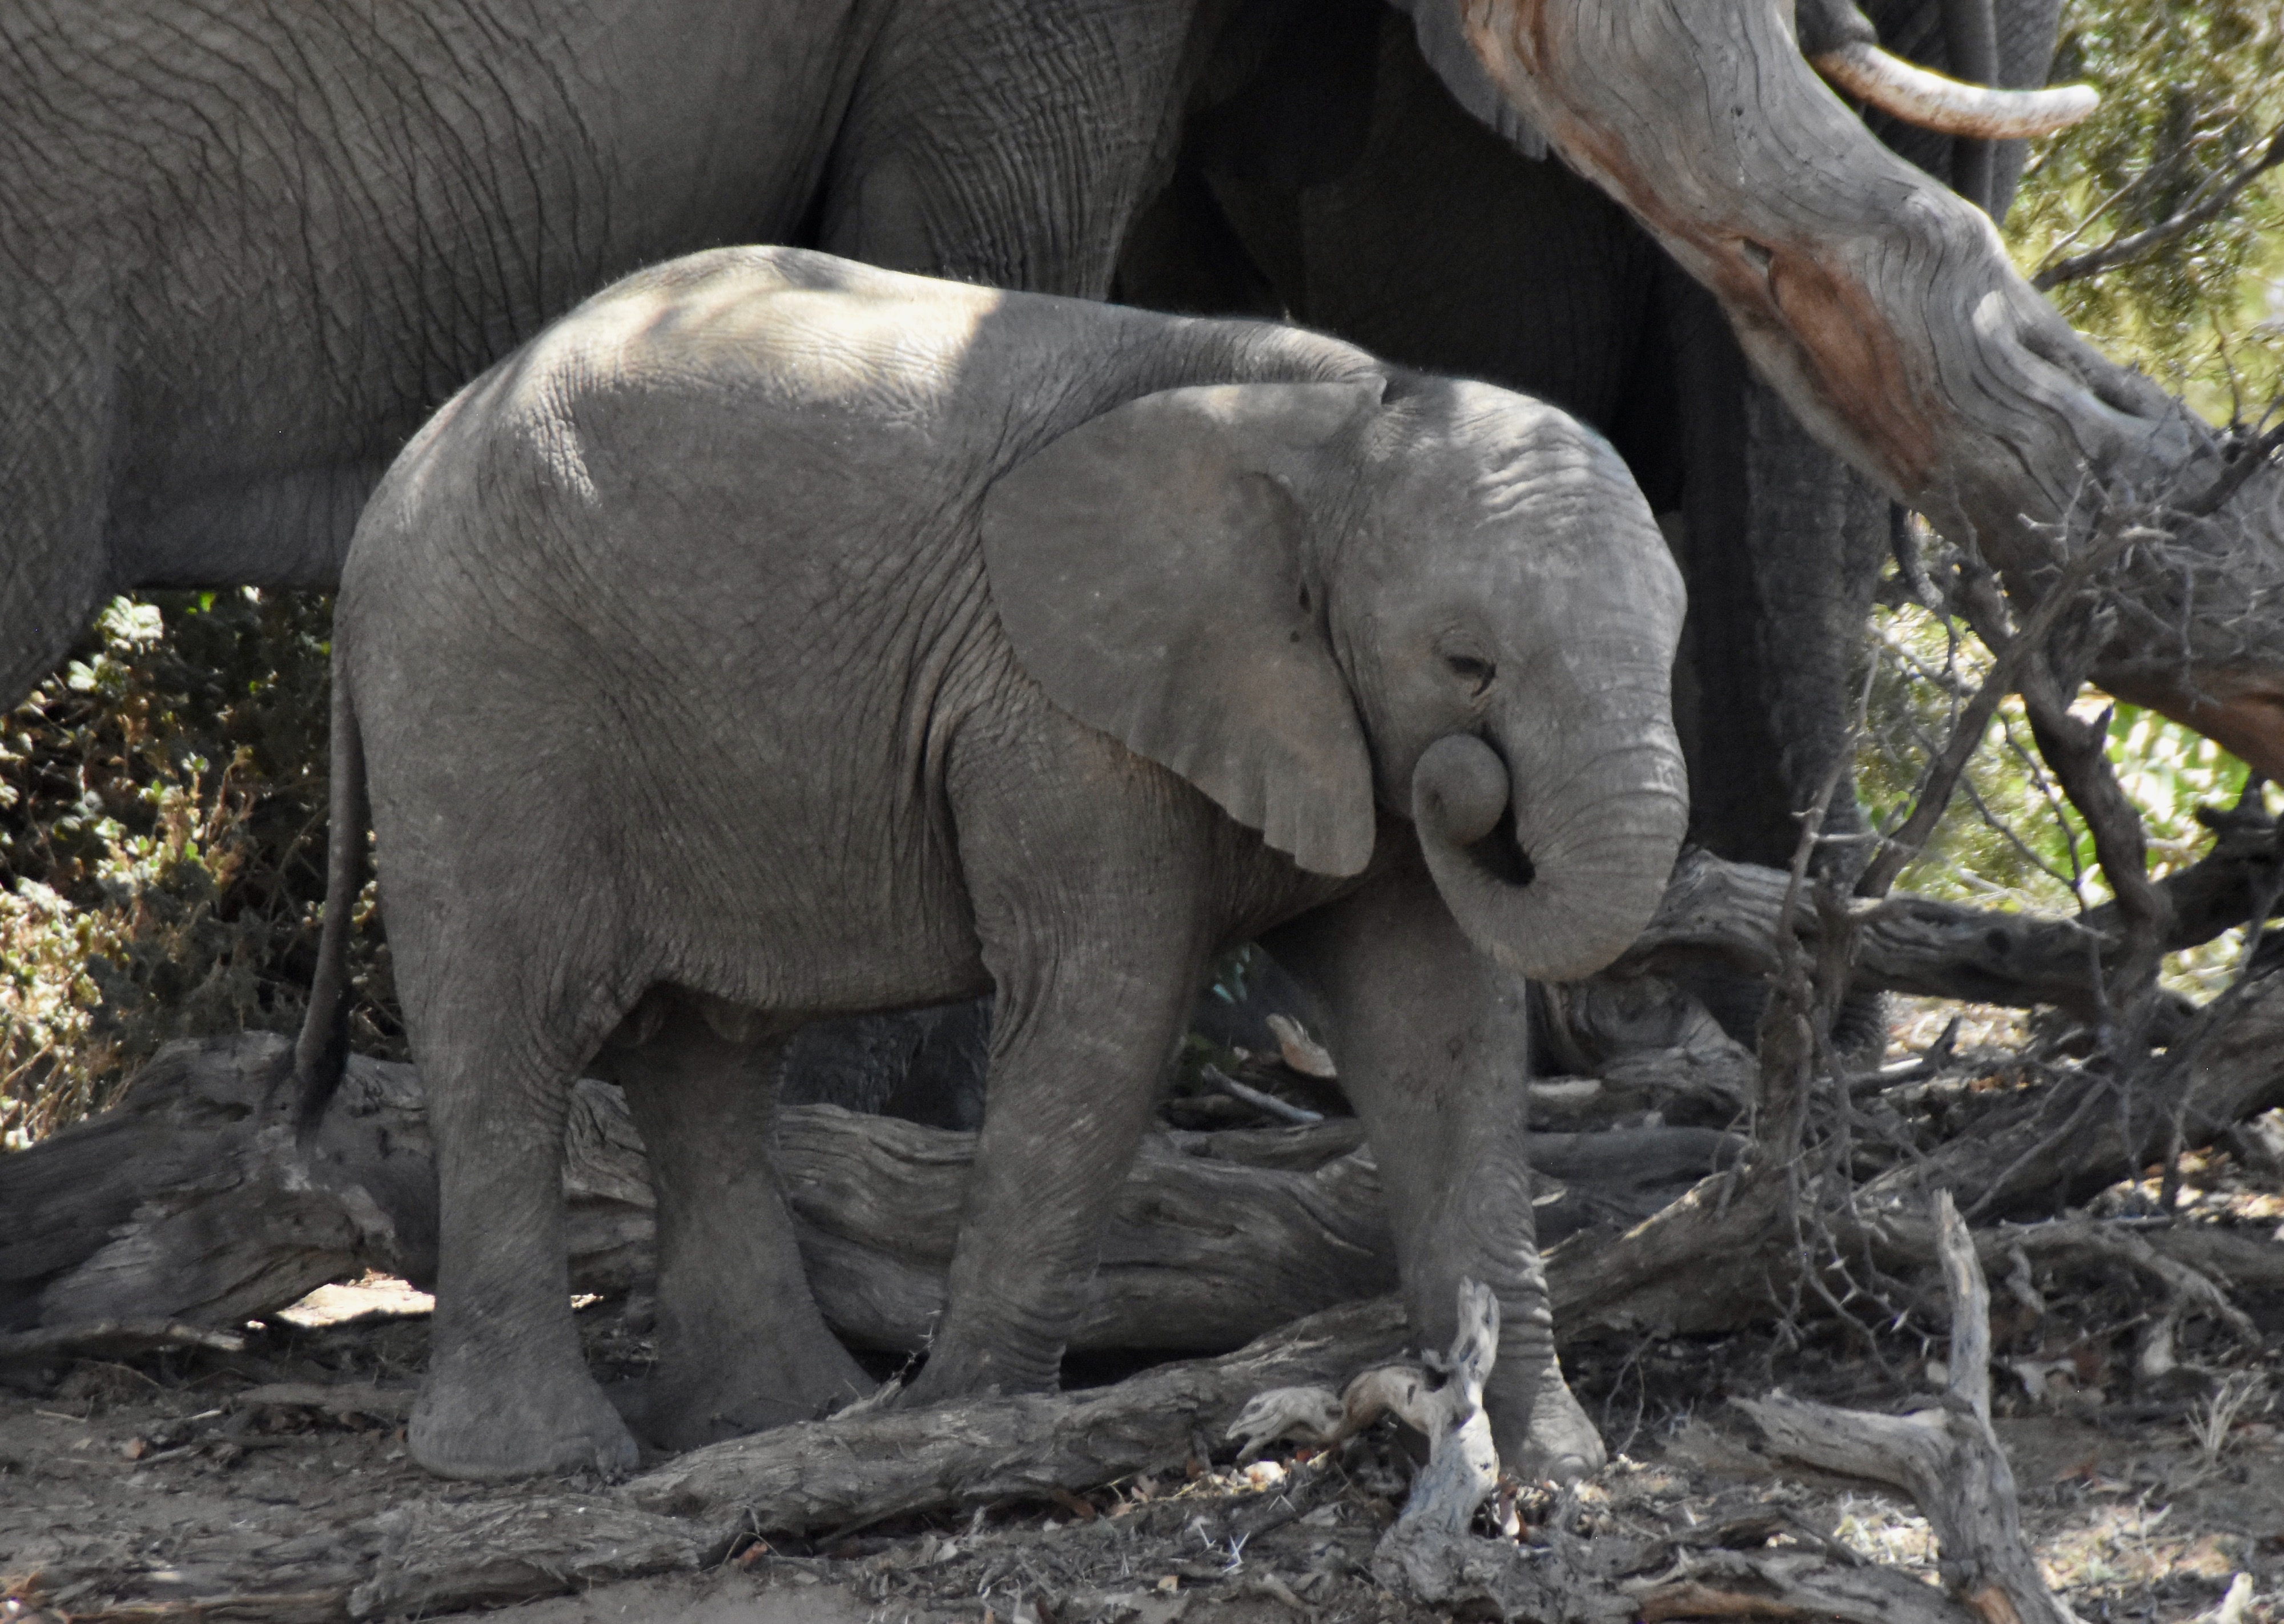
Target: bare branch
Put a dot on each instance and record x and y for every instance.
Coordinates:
(2210, 204)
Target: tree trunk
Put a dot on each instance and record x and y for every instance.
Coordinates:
(1885, 311)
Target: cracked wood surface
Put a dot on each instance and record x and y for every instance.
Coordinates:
(190, 1206)
(1884, 309)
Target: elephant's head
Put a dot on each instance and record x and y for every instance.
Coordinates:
(1317, 600)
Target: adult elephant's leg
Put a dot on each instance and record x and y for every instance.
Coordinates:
(1781, 544)
(1013, 142)
(741, 1346)
(1431, 1040)
(507, 1392)
(1008, 142)
(54, 475)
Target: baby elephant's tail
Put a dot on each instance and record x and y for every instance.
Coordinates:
(324, 1046)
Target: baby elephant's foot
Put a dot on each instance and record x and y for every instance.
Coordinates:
(696, 1402)
(1559, 1443)
(498, 1428)
(955, 1370)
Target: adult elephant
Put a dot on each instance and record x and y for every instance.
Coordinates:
(244, 251)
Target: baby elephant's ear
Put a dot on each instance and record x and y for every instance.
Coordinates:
(1150, 569)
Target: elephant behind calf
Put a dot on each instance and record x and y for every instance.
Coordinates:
(778, 637)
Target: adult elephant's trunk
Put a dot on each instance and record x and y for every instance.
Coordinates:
(1589, 854)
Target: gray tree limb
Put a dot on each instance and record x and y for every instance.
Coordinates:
(1885, 310)
(1914, 944)
(1947, 1458)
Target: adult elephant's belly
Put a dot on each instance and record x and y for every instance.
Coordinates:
(294, 315)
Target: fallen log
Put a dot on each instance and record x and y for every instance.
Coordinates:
(190, 1204)
(856, 1468)
(1730, 912)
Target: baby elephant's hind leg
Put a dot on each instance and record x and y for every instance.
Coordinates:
(741, 1346)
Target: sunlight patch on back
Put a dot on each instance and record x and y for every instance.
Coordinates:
(553, 433)
(902, 346)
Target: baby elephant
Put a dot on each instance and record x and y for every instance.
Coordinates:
(776, 636)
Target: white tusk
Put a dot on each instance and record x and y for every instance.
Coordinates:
(1933, 101)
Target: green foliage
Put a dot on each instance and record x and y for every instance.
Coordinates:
(2192, 90)
(2009, 836)
(2009, 839)
(162, 805)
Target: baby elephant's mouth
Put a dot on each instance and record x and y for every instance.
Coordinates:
(1500, 854)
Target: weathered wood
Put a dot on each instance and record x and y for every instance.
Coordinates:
(1428, 1544)
(1791, 1585)
(2225, 1065)
(1730, 911)
(882, 1462)
(99, 1338)
(192, 1204)
(183, 1206)
(436, 1556)
(1202, 1252)
(1947, 1459)
(1886, 311)
(1723, 1256)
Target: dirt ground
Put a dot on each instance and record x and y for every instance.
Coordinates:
(265, 1485)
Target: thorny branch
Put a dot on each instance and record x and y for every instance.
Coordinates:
(1805, 1168)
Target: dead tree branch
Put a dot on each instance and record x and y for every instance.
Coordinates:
(1947, 1459)
(850, 1469)
(1730, 911)
(1885, 311)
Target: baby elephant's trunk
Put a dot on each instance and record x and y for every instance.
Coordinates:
(322, 1048)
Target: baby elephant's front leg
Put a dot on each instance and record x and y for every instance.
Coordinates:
(1076, 1071)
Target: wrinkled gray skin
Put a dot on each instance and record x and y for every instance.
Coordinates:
(778, 637)
(1325, 171)
(246, 249)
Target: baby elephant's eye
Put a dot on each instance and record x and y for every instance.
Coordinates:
(1476, 674)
